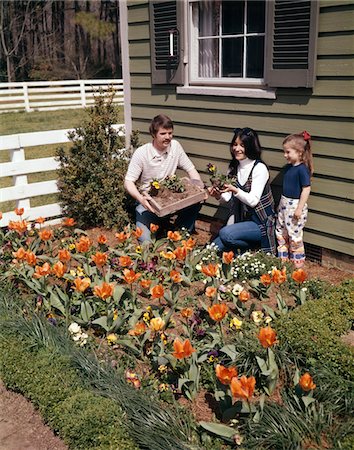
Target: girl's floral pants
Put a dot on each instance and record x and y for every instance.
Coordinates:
(289, 231)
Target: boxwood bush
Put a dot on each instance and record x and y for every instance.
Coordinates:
(314, 329)
(82, 419)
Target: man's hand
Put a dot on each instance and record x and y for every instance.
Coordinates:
(144, 200)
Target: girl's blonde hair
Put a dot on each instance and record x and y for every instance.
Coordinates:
(302, 144)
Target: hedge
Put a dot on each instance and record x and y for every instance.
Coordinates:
(82, 419)
(314, 329)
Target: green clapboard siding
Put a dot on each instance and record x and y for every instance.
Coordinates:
(204, 123)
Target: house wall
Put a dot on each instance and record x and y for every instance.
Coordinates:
(204, 124)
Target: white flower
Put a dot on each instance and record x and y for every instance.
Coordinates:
(267, 319)
(237, 289)
(257, 317)
(76, 337)
(74, 328)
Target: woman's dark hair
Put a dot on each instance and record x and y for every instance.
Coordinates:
(250, 140)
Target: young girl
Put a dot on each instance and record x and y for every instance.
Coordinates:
(292, 212)
(252, 217)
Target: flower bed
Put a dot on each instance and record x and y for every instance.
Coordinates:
(182, 319)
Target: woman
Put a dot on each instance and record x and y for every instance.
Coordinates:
(252, 215)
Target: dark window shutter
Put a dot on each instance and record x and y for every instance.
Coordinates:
(166, 34)
(291, 43)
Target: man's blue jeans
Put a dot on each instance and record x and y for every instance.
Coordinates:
(241, 235)
(185, 219)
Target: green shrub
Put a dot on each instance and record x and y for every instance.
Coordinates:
(82, 419)
(314, 329)
(90, 413)
(91, 174)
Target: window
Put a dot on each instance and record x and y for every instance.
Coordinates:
(227, 42)
(233, 47)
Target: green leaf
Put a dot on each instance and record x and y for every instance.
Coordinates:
(128, 344)
(102, 322)
(86, 311)
(118, 292)
(218, 429)
(230, 350)
(56, 303)
(307, 400)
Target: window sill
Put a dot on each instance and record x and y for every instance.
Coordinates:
(228, 91)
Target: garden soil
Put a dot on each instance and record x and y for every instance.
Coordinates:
(21, 426)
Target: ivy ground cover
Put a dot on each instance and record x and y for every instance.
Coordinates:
(179, 319)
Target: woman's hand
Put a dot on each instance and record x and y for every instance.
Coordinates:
(230, 188)
(297, 213)
(214, 192)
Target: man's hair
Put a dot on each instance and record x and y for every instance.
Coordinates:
(160, 121)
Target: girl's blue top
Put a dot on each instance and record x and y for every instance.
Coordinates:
(295, 179)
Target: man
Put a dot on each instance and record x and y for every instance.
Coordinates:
(157, 160)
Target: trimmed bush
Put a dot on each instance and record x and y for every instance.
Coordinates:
(82, 419)
(91, 173)
(314, 329)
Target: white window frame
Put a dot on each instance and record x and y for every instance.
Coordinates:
(224, 86)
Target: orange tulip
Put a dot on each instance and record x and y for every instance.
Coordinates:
(19, 211)
(64, 255)
(266, 279)
(83, 245)
(279, 276)
(145, 284)
(175, 276)
(138, 330)
(186, 312)
(210, 270)
(125, 261)
(69, 222)
(225, 374)
(227, 257)
(130, 276)
(180, 253)
(157, 291)
(40, 220)
(41, 271)
(244, 296)
(104, 291)
(138, 232)
(99, 259)
(81, 284)
(189, 244)
(59, 269)
(306, 382)
(20, 254)
(243, 388)
(102, 239)
(210, 291)
(122, 237)
(174, 236)
(19, 226)
(218, 311)
(46, 235)
(0, 215)
(182, 349)
(153, 228)
(299, 276)
(168, 255)
(157, 324)
(31, 259)
(267, 337)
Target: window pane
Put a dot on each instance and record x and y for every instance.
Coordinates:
(232, 57)
(232, 17)
(209, 18)
(255, 16)
(209, 58)
(255, 57)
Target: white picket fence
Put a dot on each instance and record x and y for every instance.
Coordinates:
(18, 168)
(52, 95)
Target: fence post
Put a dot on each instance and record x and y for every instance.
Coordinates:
(26, 98)
(83, 94)
(18, 155)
